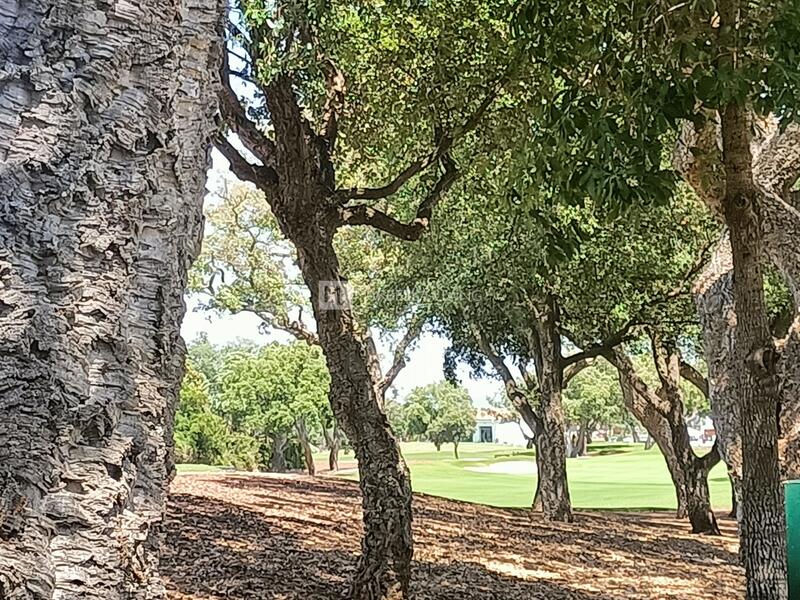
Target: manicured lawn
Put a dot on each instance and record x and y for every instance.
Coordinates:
(613, 476)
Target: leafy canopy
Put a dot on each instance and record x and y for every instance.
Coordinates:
(440, 413)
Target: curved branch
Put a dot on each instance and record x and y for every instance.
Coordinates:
(630, 378)
(695, 377)
(362, 214)
(233, 113)
(600, 349)
(710, 460)
(259, 175)
(518, 398)
(399, 361)
(443, 146)
(574, 368)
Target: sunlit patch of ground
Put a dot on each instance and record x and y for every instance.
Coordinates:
(244, 537)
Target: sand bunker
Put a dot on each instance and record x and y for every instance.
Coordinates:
(508, 467)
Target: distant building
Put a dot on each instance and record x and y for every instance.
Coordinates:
(492, 427)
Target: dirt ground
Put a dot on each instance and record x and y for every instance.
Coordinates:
(255, 537)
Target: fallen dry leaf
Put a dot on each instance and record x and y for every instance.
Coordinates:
(290, 537)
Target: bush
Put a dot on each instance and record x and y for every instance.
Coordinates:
(201, 437)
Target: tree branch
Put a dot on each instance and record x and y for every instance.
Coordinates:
(695, 377)
(259, 175)
(600, 349)
(574, 368)
(362, 214)
(297, 329)
(445, 143)
(710, 460)
(237, 121)
(336, 89)
(624, 366)
(399, 361)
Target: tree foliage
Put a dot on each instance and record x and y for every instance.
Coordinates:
(257, 396)
(441, 413)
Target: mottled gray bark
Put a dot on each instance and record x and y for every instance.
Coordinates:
(762, 526)
(654, 421)
(713, 292)
(776, 165)
(105, 116)
(552, 448)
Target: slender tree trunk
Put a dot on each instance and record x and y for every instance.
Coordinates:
(553, 486)
(762, 527)
(582, 436)
(106, 113)
(694, 470)
(455, 449)
(649, 442)
(305, 443)
(636, 439)
(308, 217)
(277, 457)
(536, 505)
(333, 450)
(657, 429)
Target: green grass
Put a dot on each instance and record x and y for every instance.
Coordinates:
(187, 468)
(613, 476)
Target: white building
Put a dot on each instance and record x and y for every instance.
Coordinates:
(492, 428)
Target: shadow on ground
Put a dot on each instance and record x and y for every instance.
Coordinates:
(295, 538)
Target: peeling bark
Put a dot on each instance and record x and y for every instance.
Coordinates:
(713, 292)
(762, 525)
(551, 446)
(775, 167)
(104, 129)
(298, 185)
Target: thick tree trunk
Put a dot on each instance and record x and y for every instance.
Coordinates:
(762, 526)
(106, 114)
(384, 566)
(277, 457)
(305, 443)
(714, 300)
(552, 451)
(775, 169)
(662, 414)
(695, 480)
